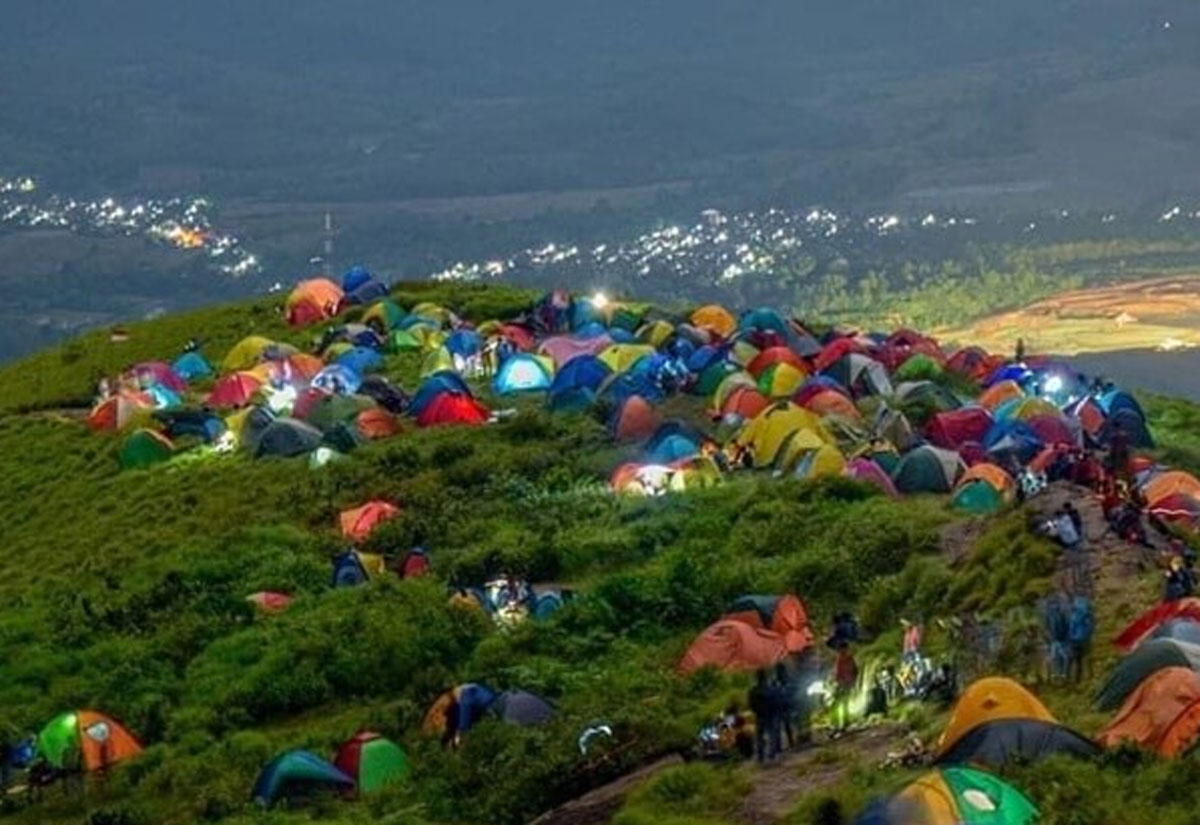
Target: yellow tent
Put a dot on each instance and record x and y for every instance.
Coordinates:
(656, 332)
(743, 353)
(427, 309)
(780, 380)
(246, 353)
(437, 361)
(427, 336)
(715, 319)
(767, 433)
(826, 461)
(620, 357)
(990, 700)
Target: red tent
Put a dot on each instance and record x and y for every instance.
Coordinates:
(1145, 624)
(746, 402)
(788, 618)
(635, 420)
(835, 351)
(1180, 508)
(1052, 429)
(376, 422)
(734, 645)
(453, 408)
(358, 523)
(236, 390)
(775, 355)
(270, 602)
(949, 430)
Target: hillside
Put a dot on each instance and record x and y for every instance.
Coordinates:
(125, 592)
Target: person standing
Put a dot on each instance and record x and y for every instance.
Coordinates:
(766, 724)
(845, 680)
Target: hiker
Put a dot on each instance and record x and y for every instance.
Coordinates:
(1057, 629)
(845, 630)
(845, 679)
(1080, 628)
(1062, 527)
(784, 694)
(1181, 582)
(877, 697)
(1020, 353)
(911, 643)
(1076, 518)
(766, 722)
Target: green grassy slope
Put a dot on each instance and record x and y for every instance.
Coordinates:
(125, 592)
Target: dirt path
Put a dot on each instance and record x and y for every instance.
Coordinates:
(780, 786)
(598, 806)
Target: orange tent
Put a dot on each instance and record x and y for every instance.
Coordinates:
(775, 355)
(100, 752)
(990, 700)
(314, 300)
(375, 423)
(789, 619)
(635, 420)
(358, 523)
(1163, 714)
(1169, 484)
(831, 402)
(746, 402)
(119, 411)
(715, 319)
(733, 645)
(998, 393)
(990, 473)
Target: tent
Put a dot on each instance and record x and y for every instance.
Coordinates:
(715, 375)
(927, 394)
(583, 372)
(437, 360)
(633, 419)
(977, 498)
(520, 707)
(1147, 659)
(453, 409)
(780, 380)
(621, 357)
(99, 740)
(372, 761)
(729, 382)
(149, 373)
(1170, 483)
(928, 470)
(144, 448)
(784, 615)
(956, 796)
(734, 645)
(523, 373)
(314, 300)
(999, 743)
(950, 430)
(824, 461)
(988, 700)
(435, 385)
(192, 365)
(402, 340)
(298, 775)
(655, 333)
(868, 472)
(376, 423)
(768, 432)
(387, 395)
(827, 402)
(325, 411)
(565, 348)
(1185, 630)
(672, 441)
(1148, 622)
(360, 360)
(120, 411)
(1162, 714)
(246, 353)
(269, 601)
(358, 523)
(195, 422)
(860, 375)
(355, 277)
(458, 709)
(385, 314)
(716, 319)
(368, 293)
(772, 356)
(999, 394)
(354, 567)
(287, 438)
(743, 402)
(1012, 437)
(338, 379)
(919, 366)
(235, 390)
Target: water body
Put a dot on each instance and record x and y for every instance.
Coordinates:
(1166, 373)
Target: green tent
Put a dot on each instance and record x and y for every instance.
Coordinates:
(962, 796)
(372, 762)
(928, 470)
(1148, 658)
(626, 318)
(387, 312)
(144, 448)
(402, 340)
(712, 376)
(918, 367)
(332, 410)
(978, 498)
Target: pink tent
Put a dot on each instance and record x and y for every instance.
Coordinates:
(563, 348)
(868, 472)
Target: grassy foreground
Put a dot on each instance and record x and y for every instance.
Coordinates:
(125, 592)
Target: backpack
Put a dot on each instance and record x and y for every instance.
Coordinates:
(1083, 623)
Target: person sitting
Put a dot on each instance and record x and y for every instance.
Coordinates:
(1181, 583)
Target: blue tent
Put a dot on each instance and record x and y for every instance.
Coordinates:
(435, 385)
(355, 277)
(339, 379)
(622, 336)
(546, 605)
(592, 329)
(673, 441)
(1183, 630)
(1019, 373)
(464, 343)
(521, 373)
(360, 359)
(574, 399)
(620, 387)
(164, 398)
(297, 775)
(581, 372)
(471, 702)
(348, 570)
(368, 293)
(1010, 436)
(192, 365)
(411, 321)
(1114, 401)
(583, 313)
(191, 422)
(704, 357)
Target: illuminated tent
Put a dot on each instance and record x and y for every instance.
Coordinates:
(524, 373)
(98, 740)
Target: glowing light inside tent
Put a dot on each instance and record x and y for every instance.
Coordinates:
(600, 300)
